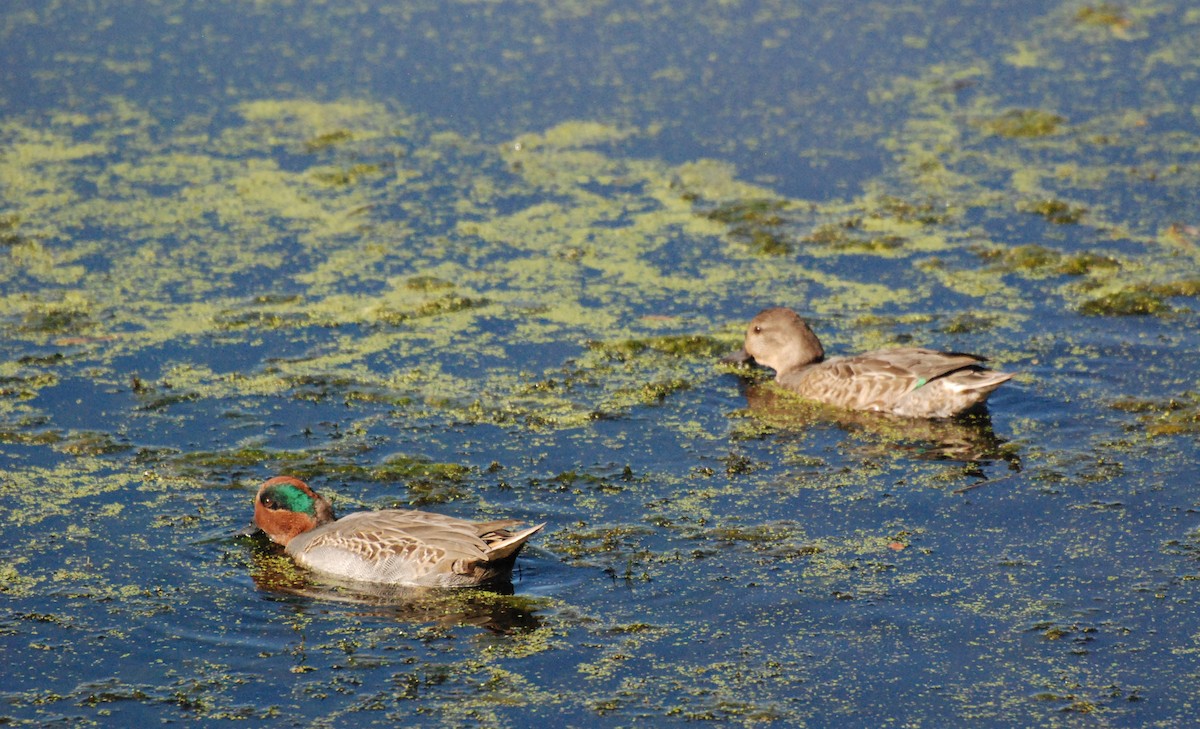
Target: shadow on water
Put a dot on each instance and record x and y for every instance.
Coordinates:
(494, 607)
(968, 438)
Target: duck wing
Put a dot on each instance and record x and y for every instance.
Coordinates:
(408, 545)
(913, 362)
(876, 380)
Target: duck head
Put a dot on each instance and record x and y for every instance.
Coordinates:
(286, 506)
(778, 338)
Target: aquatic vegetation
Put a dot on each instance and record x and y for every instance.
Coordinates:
(695, 346)
(904, 211)
(91, 444)
(968, 323)
(1024, 123)
(326, 140)
(753, 212)
(1126, 302)
(447, 304)
(24, 384)
(1172, 416)
(70, 316)
(1182, 287)
(9, 224)
(1027, 257)
(1082, 264)
(1104, 15)
(756, 224)
(1056, 211)
(22, 432)
(845, 237)
(347, 176)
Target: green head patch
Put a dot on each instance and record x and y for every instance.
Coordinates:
(289, 497)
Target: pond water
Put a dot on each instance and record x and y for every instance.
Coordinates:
(483, 258)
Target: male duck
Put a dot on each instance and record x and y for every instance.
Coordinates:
(912, 382)
(391, 546)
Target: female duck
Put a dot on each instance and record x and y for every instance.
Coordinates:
(391, 546)
(912, 382)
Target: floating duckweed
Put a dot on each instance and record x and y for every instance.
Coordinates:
(57, 318)
(1103, 15)
(234, 320)
(24, 387)
(760, 536)
(1135, 405)
(1056, 211)
(969, 323)
(1175, 426)
(1185, 287)
(19, 433)
(926, 213)
(843, 237)
(1080, 706)
(427, 482)
(318, 388)
(151, 399)
(762, 241)
(449, 304)
(1169, 416)
(756, 224)
(414, 468)
(1026, 257)
(426, 283)
(8, 230)
(693, 346)
(582, 542)
(575, 481)
(223, 460)
(91, 443)
(1127, 302)
(327, 140)
(832, 234)
(755, 212)
(654, 393)
(1035, 258)
(423, 492)
(1024, 123)
(737, 464)
(442, 305)
(276, 299)
(634, 628)
(1184, 236)
(347, 176)
(1082, 264)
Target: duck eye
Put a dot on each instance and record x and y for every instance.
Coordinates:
(267, 501)
(757, 329)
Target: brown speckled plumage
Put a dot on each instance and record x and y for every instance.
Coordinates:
(909, 381)
(395, 546)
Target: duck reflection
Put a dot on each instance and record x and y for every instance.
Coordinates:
(967, 438)
(493, 606)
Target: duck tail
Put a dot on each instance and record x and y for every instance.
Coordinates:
(981, 381)
(509, 546)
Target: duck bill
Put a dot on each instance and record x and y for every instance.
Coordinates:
(739, 357)
(247, 531)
